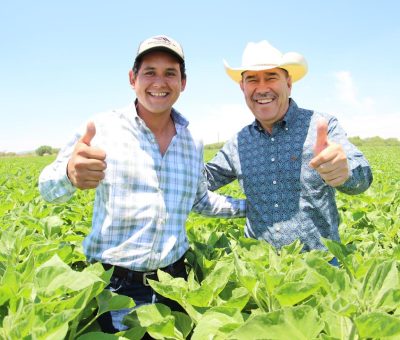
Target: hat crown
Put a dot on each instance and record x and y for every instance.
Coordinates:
(262, 56)
(261, 53)
(161, 42)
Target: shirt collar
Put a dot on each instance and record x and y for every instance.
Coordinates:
(178, 118)
(291, 113)
(286, 120)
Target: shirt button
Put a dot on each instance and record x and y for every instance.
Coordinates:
(273, 182)
(278, 229)
(272, 139)
(286, 129)
(276, 205)
(272, 159)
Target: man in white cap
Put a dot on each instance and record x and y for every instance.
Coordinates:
(148, 173)
(290, 160)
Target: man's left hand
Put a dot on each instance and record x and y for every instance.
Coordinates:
(329, 160)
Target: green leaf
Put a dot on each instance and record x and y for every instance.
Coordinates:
(56, 276)
(135, 333)
(169, 287)
(293, 248)
(101, 336)
(272, 279)
(56, 327)
(237, 298)
(156, 319)
(217, 322)
(52, 225)
(293, 292)
(164, 328)
(211, 286)
(183, 323)
(334, 278)
(336, 326)
(379, 280)
(152, 313)
(298, 323)
(377, 325)
(345, 306)
(390, 300)
(246, 278)
(109, 301)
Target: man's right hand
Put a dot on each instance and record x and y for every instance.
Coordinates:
(86, 166)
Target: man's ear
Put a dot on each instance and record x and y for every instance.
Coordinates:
(289, 84)
(131, 78)
(241, 85)
(183, 86)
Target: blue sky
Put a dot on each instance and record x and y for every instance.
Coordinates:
(62, 62)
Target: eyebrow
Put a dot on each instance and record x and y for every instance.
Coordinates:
(266, 73)
(248, 76)
(152, 68)
(271, 73)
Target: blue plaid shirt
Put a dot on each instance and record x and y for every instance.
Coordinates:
(142, 204)
(286, 198)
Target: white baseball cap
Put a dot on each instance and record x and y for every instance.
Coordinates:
(161, 43)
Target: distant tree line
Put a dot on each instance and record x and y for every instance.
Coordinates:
(7, 154)
(374, 141)
(357, 141)
(45, 150)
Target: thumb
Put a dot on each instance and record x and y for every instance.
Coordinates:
(89, 134)
(322, 136)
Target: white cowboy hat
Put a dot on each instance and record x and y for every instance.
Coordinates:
(263, 56)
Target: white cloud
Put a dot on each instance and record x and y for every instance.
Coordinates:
(348, 92)
(358, 114)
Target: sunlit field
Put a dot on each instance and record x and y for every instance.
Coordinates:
(238, 288)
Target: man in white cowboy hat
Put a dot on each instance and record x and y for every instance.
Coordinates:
(290, 160)
(148, 173)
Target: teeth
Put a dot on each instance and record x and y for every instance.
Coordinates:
(158, 94)
(264, 101)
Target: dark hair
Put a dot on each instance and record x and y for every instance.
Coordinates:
(286, 72)
(138, 63)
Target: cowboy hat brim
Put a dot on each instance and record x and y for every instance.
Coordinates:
(292, 62)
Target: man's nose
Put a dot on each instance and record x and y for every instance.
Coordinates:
(159, 81)
(263, 84)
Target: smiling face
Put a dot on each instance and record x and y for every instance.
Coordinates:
(267, 94)
(158, 83)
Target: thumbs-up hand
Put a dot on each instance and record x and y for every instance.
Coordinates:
(329, 160)
(322, 136)
(86, 166)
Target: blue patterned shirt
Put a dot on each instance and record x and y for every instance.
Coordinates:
(286, 198)
(142, 204)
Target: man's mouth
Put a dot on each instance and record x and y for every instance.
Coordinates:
(158, 94)
(264, 100)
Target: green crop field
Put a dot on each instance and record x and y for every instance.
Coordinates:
(237, 288)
